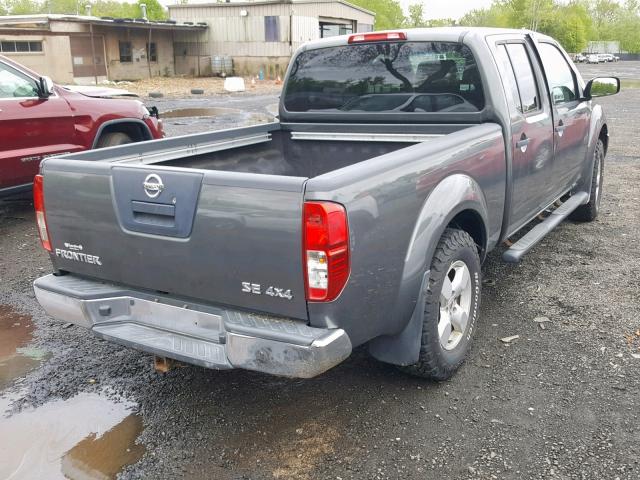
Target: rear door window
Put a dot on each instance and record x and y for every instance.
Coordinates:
(410, 77)
(529, 94)
(508, 77)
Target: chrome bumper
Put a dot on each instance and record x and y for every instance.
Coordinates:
(193, 333)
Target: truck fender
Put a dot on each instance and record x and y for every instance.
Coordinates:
(453, 195)
(598, 121)
(144, 128)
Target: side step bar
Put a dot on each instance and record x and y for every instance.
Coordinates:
(517, 250)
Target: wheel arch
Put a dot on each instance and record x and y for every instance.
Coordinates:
(458, 202)
(137, 130)
(599, 130)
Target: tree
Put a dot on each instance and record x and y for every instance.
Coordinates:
(416, 16)
(99, 8)
(23, 7)
(389, 13)
(155, 11)
(494, 16)
(569, 24)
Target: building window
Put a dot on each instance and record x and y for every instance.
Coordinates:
(125, 52)
(334, 29)
(152, 52)
(11, 46)
(272, 29)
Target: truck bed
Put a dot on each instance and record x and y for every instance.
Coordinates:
(276, 149)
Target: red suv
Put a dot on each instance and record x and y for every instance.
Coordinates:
(39, 119)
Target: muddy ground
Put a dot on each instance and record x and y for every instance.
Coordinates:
(561, 401)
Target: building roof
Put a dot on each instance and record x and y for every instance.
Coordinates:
(38, 20)
(267, 2)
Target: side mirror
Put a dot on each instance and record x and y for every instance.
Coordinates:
(602, 87)
(45, 87)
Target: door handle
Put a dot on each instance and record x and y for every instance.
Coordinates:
(560, 128)
(523, 143)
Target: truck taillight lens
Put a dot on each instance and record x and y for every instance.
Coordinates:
(38, 203)
(326, 250)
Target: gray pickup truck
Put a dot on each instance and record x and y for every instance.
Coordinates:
(361, 217)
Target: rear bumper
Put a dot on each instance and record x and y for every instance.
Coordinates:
(208, 336)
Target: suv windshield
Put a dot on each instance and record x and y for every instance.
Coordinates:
(385, 77)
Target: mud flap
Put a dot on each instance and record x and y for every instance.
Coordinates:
(404, 347)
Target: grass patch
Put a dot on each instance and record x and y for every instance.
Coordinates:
(628, 83)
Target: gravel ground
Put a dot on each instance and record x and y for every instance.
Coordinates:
(558, 402)
(180, 87)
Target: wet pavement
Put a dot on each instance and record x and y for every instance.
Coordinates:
(194, 115)
(84, 437)
(16, 357)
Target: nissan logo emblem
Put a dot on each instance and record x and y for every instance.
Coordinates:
(153, 185)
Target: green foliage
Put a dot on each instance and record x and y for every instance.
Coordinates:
(155, 11)
(603, 88)
(389, 13)
(99, 8)
(416, 16)
(573, 23)
(22, 7)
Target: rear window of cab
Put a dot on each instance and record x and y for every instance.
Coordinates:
(420, 77)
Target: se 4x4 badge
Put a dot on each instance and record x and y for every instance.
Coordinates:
(256, 289)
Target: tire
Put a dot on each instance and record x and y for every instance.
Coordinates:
(113, 139)
(589, 211)
(442, 354)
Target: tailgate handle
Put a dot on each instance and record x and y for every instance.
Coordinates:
(158, 214)
(163, 209)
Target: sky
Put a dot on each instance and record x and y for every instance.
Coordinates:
(446, 8)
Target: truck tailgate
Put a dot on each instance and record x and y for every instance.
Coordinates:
(222, 237)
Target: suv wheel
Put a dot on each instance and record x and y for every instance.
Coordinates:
(452, 302)
(113, 139)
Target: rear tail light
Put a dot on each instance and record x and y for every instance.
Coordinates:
(326, 250)
(41, 218)
(377, 37)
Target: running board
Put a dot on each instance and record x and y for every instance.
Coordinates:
(515, 253)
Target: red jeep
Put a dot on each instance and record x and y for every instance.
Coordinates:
(39, 119)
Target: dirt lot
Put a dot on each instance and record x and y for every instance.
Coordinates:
(180, 87)
(559, 402)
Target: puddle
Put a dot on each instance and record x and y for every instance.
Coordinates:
(200, 112)
(85, 437)
(16, 359)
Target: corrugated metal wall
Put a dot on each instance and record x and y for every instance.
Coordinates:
(230, 33)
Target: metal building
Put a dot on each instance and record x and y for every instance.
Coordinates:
(85, 49)
(262, 35)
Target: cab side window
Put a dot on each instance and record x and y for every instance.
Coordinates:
(508, 77)
(562, 83)
(523, 70)
(15, 85)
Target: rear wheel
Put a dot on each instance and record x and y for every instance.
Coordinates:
(113, 139)
(589, 211)
(452, 301)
